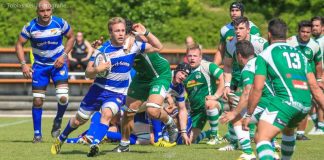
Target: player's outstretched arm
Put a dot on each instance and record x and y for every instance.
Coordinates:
(92, 71)
(154, 44)
(183, 120)
(243, 102)
(315, 89)
(27, 71)
(254, 98)
(219, 54)
(228, 62)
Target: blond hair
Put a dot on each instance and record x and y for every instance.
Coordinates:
(194, 46)
(115, 20)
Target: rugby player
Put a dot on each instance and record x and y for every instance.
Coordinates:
(46, 36)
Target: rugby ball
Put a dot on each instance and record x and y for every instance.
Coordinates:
(102, 58)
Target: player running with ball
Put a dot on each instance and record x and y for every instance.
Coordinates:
(108, 93)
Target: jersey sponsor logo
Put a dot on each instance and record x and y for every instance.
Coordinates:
(46, 42)
(121, 63)
(156, 88)
(288, 75)
(229, 38)
(278, 120)
(296, 77)
(193, 83)
(37, 33)
(300, 84)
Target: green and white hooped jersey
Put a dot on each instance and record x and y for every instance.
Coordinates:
(311, 50)
(247, 78)
(202, 82)
(259, 44)
(286, 67)
(227, 32)
(151, 65)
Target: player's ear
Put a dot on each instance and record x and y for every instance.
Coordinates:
(269, 36)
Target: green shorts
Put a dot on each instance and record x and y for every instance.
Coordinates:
(281, 113)
(199, 117)
(263, 103)
(141, 89)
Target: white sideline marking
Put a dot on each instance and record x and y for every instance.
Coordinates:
(14, 123)
(30, 115)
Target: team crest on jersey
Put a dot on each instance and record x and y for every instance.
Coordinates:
(193, 83)
(198, 75)
(53, 31)
(308, 51)
(62, 72)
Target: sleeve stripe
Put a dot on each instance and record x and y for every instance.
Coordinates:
(216, 71)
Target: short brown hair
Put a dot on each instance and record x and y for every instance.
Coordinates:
(244, 48)
(115, 20)
(237, 21)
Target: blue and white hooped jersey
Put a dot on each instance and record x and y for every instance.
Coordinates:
(118, 79)
(177, 92)
(46, 41)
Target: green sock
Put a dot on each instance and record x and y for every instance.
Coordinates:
(213, 116)
(320, 125)
(287, 146)
(244, 139)
(264, 150)
(252, 130)
(233, 137)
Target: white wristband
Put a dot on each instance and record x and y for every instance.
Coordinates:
(227, 84)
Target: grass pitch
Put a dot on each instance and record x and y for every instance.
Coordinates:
(16, 135)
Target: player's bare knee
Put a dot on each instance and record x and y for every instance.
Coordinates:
(154, 110)
(37, 102)
(38, 99)
(62, 95)
(154, 113)
(82, 116)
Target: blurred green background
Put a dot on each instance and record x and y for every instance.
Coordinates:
(170, 20)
